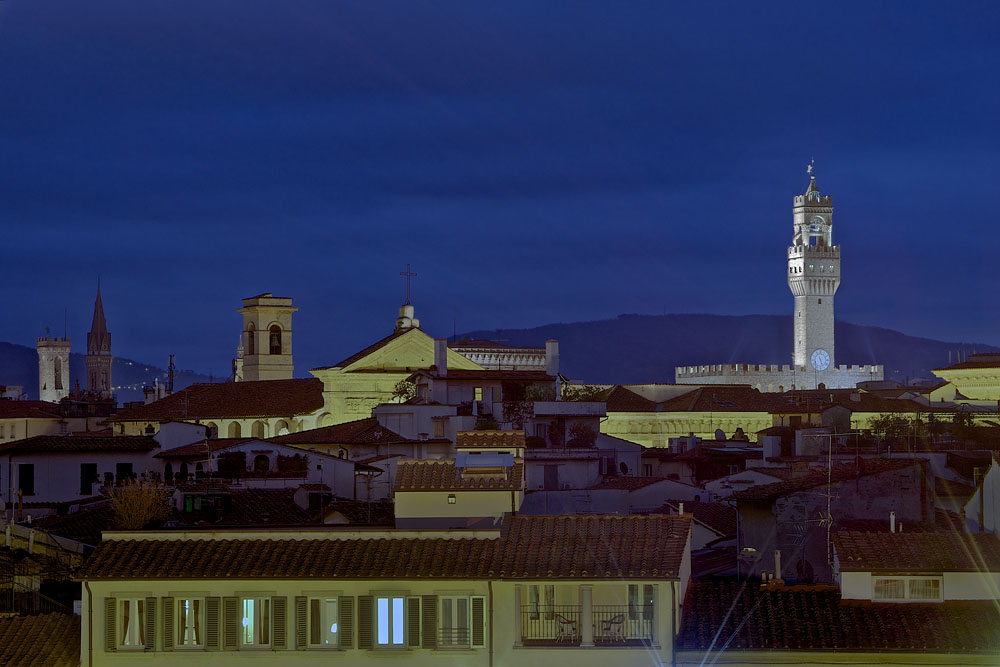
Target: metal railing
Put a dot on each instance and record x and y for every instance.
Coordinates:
(557, 624)
(623, 624)
(454, 638)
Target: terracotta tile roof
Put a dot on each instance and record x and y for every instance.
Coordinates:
(720, 517)
(445, 476)
(946, 488)
(197, 449)
(478, 343)
(818, 477)
(29, 410)
(627, 483)
(917, 552)
(868, 402)
(47, 640)
(360, 432)
(568, 547)
(723, 398)
(489, 439)
(83, 526)
(224, 400)
(62, 443)
(625, 400)
(264, 506)
(378, 513)
(804, 619)
(487, 374)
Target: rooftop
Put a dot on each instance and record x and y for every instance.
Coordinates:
(567, 547)
(719, 612)
(446, 476)
(232, 400)
(47, 640)
(917, 552)
(489, 439)
(818, 477)
(360, 432)
(29, 410)
(81, 443)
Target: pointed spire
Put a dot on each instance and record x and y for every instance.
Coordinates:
(99, 340)
(99, 325)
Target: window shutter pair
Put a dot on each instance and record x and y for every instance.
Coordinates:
(110, 616)
(366, 624)
(413, 622)
(478, 621)
(212, 630)
(168, 624)
(430, 614)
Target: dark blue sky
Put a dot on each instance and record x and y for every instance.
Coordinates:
(534, 162)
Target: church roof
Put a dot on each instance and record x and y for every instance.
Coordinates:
(374, 347)
(232, 400)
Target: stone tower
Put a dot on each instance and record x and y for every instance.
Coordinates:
(99, 352)
(267, 335)
(53, 368)
(813, 277)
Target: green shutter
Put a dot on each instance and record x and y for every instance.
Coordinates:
(279, 622)
(478, 621)
(413, 622)
(430, 621)
(168, 624)
(110, 617)
(150, 624)
(301, 641)
(230, 624)
(345, 609)
(365, 622)
(212, 606)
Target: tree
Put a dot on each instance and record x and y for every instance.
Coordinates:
(581, 435)
(404, 391)
(584, 392)
(890, 425)
(138, 504)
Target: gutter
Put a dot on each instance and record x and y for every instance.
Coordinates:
(489, 584)
(90, 624)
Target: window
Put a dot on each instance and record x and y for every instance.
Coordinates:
(256, 630)
(323, 623)
(478, 393)
(235, 430)
(123, 471)
(647, 469)
(190, 616)
(275, 339)
(251, 343)
(26, 478)
(13, 429)
(132, 621)
(1, 431)
(641, 607)
(890, 589)
(88, 475)
(389, 621)
(58, 373)
(925, 589)
(438, 429)
(454, 621)
(541, 599)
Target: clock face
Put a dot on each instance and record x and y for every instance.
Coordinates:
(820, 360)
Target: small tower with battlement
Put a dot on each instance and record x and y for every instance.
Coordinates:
(267, 335)
(813, 277)
(99, 352)
(53, 368)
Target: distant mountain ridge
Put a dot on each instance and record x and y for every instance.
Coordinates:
(647, 348)
(19, 366)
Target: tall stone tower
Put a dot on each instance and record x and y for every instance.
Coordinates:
(813, 277)
(267, 332)
(53, 368)
(99, 352)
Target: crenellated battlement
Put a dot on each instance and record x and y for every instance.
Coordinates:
(823, 201)
(52, 339)
(821, 250)
(758, 369)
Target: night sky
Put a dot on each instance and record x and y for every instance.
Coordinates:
(535, 162)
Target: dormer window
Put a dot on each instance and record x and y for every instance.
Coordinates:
(903, 589)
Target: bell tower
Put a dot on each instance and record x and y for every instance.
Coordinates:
(99, 352)
(813, 277)
(267, 337)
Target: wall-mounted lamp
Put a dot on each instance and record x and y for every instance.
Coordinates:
(451, 499)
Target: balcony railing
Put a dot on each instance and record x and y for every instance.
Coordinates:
(543, 625)
(612, 625)
(453, 638)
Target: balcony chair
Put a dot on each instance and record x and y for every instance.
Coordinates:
(613, 629)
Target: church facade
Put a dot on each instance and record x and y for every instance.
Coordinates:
(813, 273)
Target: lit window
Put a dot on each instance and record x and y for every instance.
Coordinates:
(812, 266)
(256, 622)
(389, 621)
(323, 623)
(925, 589)
(132, 621)
(439, 429)
(479, 393)
(454, 621)
(190, 616)
(890, 589)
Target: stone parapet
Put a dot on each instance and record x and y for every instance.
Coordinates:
(775, 378)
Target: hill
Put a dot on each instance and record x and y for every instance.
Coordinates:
(646, 348)
(19, 366)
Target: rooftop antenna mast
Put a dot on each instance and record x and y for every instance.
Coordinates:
(170, 374)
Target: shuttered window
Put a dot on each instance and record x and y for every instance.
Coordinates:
(254, 621)
(413, 622)
(131, 624)
(110, 618)
(230, 624)
(390, 621)
(212, 622)
(168, 623)
(301, 622)
(453, 621)
(346, 605)
(279, 622)
(478, 621)
(429, 613)
(150, 620)
(365, 622)
(324, 622)
(190, 618)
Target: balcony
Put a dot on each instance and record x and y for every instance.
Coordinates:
(611, 625)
